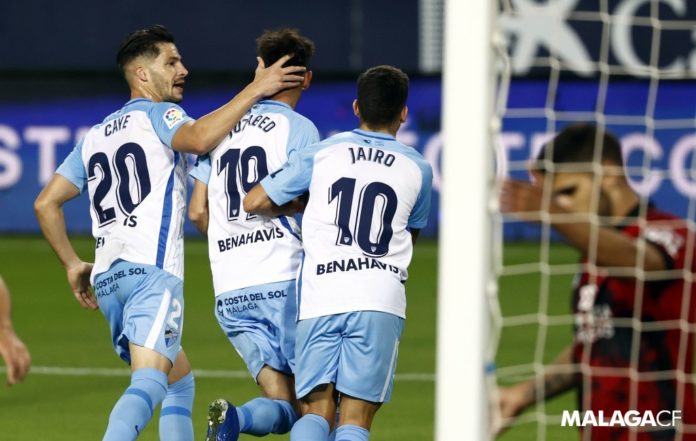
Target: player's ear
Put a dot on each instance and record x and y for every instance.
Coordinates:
(356, 109)
(141, 73)
(404, 114)
(307, 80)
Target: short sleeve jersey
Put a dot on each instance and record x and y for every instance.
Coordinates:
(366, 191)
(244, 249)
(136, 185)
(605, 307)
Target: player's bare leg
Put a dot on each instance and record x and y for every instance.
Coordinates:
(278, 386)
(318, 414)
(355, 419)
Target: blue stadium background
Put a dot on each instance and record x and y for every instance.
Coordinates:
(57, 78)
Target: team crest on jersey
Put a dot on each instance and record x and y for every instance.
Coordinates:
(173, 116)
(170, 335)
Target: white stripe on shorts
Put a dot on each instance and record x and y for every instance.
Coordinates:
(159, 320)
(392, 365)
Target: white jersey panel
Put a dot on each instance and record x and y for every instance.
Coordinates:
(137, 189)
(247, 250)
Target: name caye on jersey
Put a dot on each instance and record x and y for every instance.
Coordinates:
(136, 185)
(605, 338)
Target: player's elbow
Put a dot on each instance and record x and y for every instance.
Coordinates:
(42, 205)
(198, 216)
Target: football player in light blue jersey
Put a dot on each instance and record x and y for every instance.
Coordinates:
(369, 198)
(254, 259)
(133, 166)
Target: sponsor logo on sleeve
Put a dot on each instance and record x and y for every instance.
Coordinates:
(173, 116)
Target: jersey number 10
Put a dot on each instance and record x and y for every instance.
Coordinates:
(343, 190)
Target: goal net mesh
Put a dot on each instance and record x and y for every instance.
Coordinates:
(605, 62)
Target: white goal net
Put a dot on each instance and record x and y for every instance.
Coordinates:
(628, 68)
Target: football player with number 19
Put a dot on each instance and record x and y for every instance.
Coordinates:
(254, 259)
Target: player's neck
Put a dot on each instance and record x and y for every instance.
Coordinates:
(289, 97)
(388, 130)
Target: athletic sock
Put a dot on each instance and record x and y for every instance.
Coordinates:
(262, 416)
(349, 432)
(134, 409)
(175, 418)
(310, 427)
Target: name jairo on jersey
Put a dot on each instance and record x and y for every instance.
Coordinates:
(136, 185)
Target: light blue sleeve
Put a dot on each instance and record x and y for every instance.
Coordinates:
(419, 215)
(73, 169)
(201, 169)
(166, 118)
(293, 178)
(303, 133)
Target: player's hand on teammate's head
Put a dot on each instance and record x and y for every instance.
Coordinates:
(275, 78)
(78, 278)
(15, 354)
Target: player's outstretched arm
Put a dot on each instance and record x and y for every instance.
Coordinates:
(49, 212)
(198, 206)
(205, 133)
(12, 349)
(613, 248)
(515, 399)
(257, 201)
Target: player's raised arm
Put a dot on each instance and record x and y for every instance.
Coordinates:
(613, 248)
(204, 134)
(49, 212)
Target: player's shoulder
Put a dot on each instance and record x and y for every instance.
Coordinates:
(413, 155)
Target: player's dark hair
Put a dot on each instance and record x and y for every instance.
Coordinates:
(142, 42)
(382, 94)
(272, 45)
(582, 143)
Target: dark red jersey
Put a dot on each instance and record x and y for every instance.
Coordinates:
(632, 337)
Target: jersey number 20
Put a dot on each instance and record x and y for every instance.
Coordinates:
(127, 152)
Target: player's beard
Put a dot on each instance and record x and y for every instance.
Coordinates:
(165, 89)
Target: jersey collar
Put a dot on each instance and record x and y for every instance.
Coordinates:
(374, 135)
(275, 103)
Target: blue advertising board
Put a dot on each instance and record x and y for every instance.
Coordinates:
(35, 136)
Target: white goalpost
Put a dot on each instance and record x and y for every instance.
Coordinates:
(465, 226)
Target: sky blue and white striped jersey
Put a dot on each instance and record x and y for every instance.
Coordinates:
(136, 185)
(247, 250)
(366, 191)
